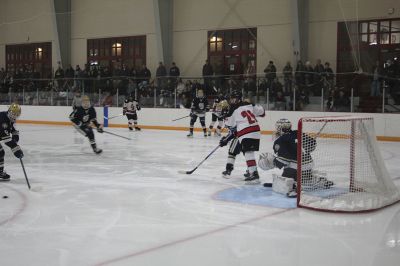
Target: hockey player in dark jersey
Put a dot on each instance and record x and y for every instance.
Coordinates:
(285, 156)
(199, 108)
(216, 115)
(82, 118)
(9, 136)
(131, 106)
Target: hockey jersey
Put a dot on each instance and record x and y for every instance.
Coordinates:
(83, 116)
(216, 109)
(7, 129)
(243, 118)
(285, 148)
(131, 106)
(200, 106)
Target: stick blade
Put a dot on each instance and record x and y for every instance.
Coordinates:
(182, 172)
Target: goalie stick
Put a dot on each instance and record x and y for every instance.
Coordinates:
(190, 172)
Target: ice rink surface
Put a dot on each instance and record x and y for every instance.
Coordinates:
(129, 206)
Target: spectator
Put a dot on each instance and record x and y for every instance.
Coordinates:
(376, 79)
(300, 75)
(208, 72)
(174, 73)
(250, 80)
(144, 75)
(78, 76)
(161, 73)
(108, 100)
(270, 73)
(341, 102)
(328, 76)
(280, 101)
(59, 75)
(287, 78)
(318, 74)
(308, 75)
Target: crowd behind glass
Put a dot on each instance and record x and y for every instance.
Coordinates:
(306, 86)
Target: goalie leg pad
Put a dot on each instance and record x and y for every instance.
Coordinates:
(282, 185)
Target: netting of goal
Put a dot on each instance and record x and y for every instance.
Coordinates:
(347, 154)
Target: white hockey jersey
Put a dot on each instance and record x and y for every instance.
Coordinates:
(131, 106)
(245, 121)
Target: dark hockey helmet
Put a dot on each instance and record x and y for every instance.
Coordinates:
(282, 126)
(235, 97)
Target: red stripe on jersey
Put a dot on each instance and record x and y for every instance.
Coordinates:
(251, 163)
(248, 130)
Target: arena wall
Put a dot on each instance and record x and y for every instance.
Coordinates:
(31, 21)
(387, 126)
(324, 16)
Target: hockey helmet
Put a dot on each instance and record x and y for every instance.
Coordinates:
(14, 111)
(85, 102)
(282, 126)
(223, 105)
(236, 96)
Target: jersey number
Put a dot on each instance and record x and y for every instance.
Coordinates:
(250, 116)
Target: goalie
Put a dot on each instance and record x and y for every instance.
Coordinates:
(285, 156)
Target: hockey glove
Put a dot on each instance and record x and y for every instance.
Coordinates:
(100, 129)
(124, 112)
(223, 141)
(18, 152)
(138, 107)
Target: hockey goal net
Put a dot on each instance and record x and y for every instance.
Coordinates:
(340, 167)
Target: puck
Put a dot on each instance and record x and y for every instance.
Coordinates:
(5, 197)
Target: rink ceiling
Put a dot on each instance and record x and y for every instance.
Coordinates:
(129, 206)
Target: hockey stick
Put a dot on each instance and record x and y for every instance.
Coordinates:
(190, 172)
(108, 118)
(180, 118)
(26, 177)
(116, 135)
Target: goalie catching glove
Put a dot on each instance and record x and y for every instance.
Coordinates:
(266, 161)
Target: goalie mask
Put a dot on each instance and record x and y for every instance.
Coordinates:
(282, 126)
(14, 111)
(85, 102)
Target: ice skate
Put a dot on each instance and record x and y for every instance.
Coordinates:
(4, 176)
(227, 173)
(253, 179)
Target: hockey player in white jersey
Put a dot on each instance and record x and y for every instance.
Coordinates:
(242, 123)
(130, 108)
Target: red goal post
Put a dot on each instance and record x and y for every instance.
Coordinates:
(342, 150)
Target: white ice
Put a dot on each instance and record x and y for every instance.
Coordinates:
(129, 206)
